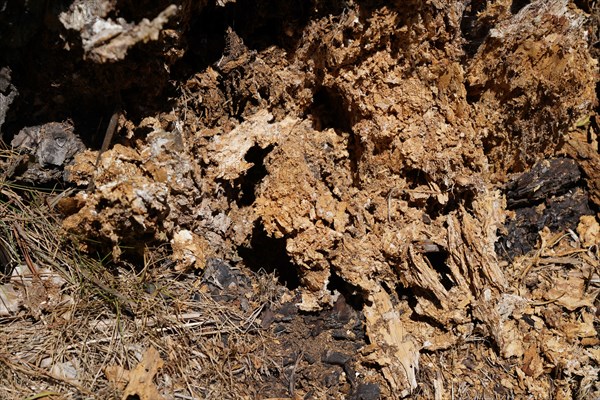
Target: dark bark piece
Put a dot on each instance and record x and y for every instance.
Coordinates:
(335, 358)
(267, 318)
(549, 195)
(558, 213)
(218, 274)
(546, 178)
(53, 144)
(564, 212)
(366, 391)
(343, 360)
(287, 312)
(50, 147)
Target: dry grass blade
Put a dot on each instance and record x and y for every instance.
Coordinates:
(31, 369)
(92, 318)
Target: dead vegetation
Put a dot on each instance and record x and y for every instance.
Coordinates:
(75, 325)
(420, 178)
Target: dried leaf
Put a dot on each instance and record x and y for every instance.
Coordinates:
(533, 364)
(141, 385)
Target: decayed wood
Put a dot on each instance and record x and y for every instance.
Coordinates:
(587, 154)
(399, 355)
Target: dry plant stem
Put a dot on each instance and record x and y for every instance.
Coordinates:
(110, 131)
(293, 373)
(20, 235)
(33, 370)
(108, 290)
(173, 329)
(51, 203)
(543, 303)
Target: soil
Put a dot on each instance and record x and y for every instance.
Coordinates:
(325, 199)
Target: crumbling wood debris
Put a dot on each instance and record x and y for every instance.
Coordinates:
(585, 148)
(364, 155)
(526, 63)
(371, 165)
(105, 40)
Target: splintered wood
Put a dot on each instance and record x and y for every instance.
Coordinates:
(393, 348)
